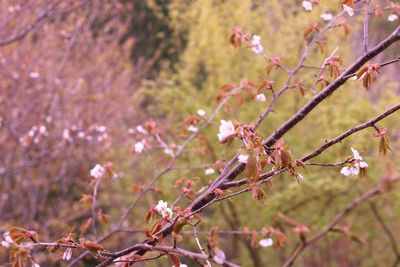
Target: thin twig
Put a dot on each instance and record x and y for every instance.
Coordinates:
(366, 24)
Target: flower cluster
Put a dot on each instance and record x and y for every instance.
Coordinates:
(357, 164)
(7, 242)
(35, 135)
(98, 171)
(163, 210)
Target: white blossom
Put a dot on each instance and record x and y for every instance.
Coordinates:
(392, 17)
(352, 170)
(43, 130)
(192, 128)
(66, 135)
(307, 5)
(34, 264)
(226, 129)
(98, 171)
(356, 154)
(163, 210)
(260, 97)
(255, 44)
(266, 242)
(81, 135)
(101, 128)
(299, 177)
(357, 164)
(363, 164)
(219, 256)
(327, 16)
(169, 151)
(348, 10)
(31, 133)
(67, 254)
(34, 75)
(139, 146)
(209, 171)
(141, 129)
(243, 158)
(7, 242)
(201, 112)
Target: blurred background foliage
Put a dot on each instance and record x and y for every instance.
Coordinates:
(119, 64)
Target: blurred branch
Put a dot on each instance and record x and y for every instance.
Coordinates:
(44, 14)
(339, 217)
(366, 24)
(94, 203)
(387, 231)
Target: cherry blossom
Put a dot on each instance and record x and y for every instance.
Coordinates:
(357, 164)
(169, 151)
(163, 210)
(98, 171)
(226, 130)
(307, 5)
(7, 242)
(209, 171)
(260, 97)
(67, 254)
(81, 135)
(326, 16)
(139, 147)
(243, 158)
(43, 130)
(299, 177)
(66, 135)
(255, 44)
(352, 170)
(392, 17)
(192, 128)
(34, 75)
(348, 10)
(141, 130)
(266, 242)
(219, 257)
(201, 112)
(356, 154)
